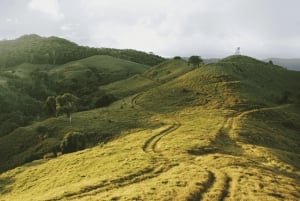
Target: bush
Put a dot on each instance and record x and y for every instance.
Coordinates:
(105, 100)
(73, 141)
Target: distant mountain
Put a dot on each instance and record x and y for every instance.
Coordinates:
(211, 60)
(206, 60)
(35, 49)
(292, 64)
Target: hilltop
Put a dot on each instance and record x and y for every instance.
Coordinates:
(53, 50)
(224, 131)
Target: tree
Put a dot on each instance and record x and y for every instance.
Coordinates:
(195, 60)
(66, 104)
(50, 106)
(271, 62)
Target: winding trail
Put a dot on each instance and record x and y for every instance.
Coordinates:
(226, 137)
(219, 184)
(239, 117)
(150, 145)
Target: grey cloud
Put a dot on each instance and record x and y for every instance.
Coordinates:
(263, 28)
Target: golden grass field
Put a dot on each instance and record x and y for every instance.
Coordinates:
(204, 134)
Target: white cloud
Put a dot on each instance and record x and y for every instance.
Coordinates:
(49, 7)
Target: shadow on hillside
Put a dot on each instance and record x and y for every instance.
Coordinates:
(5, 183)
(225, 144)
(221, 144)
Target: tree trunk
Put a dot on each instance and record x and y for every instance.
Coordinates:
(70, 117)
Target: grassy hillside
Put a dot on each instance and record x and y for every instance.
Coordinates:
(235, 82)
(53, 50)
(151, 78)
(43, 138)
(223, 131)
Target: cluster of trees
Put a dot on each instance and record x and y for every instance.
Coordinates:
(62, 104)
(193, 60)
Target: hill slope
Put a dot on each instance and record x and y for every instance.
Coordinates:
(92, 72)
(224, 131)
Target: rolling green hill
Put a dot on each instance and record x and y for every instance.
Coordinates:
(53, 50)
(152, 77)
(224, 131)
(84, 76)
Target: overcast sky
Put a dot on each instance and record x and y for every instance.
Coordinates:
(210, 28)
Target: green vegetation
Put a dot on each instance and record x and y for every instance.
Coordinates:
(26, 87)
(226, 131)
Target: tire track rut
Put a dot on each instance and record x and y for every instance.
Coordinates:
(198, 195)
(150, 144)
(218, 190)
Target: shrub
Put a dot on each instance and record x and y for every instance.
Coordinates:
(73, 141)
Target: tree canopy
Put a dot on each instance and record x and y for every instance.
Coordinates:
(66, 104)
(195, 60)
